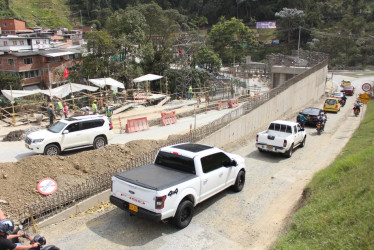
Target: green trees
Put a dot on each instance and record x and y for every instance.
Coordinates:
(230, 39)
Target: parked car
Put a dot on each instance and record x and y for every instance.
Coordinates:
(311, 115)
(331, 104)
(281, 137)
(181, 177)
(345, 83)
(349, 90)
(71, 133)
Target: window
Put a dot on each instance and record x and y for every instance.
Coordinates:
(14, 42)
(280, 127)
(5, 43)
(176, 162)
(92, 124)
(21, 42)
(4, 24)
(27, 60)
(10, 62)
(214, 161)
(74, 127)
(51, 59)
(30, 74)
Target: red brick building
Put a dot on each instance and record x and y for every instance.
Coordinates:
(13, 26)
(41, 68)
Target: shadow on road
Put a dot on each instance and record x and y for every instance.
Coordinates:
(119, 227)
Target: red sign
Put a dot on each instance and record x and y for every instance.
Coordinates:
(47, 186)
(366, 87)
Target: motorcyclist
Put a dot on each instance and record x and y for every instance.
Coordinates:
(6, 227)
(322, 118)
(301, 119)
(357, 106)
(344, 100)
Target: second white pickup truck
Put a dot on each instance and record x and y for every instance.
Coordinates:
(281, 137)
(181, 177)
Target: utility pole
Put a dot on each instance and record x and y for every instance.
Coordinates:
(298, 44)
(80, 12)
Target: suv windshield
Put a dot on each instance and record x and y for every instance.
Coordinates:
(57, 127)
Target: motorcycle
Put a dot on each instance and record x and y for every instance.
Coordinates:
(319, 128)
(356, 111)
(37, 239)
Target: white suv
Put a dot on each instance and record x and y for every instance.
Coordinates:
(71, 133)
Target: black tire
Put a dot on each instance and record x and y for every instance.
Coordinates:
(52, 149)
(303, 142)
(289, 152)
(261, 150)
(184, 214)
(99, 142)
(239, 183)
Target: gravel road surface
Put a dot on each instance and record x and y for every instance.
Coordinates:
(251, 219)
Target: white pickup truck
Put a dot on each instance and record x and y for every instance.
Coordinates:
(281, 137)
(181, 177)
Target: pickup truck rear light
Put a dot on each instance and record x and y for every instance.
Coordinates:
(284, 143)
(256, 138)
(160, 201)
(110, 126)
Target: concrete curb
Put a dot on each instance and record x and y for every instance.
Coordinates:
(78, 208)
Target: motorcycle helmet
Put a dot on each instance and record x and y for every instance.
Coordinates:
(6, 226)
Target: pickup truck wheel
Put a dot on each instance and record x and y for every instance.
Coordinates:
(184, 214)
(99, 142)
(260, 150)
(52, 149)
(289, 152)
(239, 183)
(303, 142)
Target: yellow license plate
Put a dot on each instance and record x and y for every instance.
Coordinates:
(133, 207)
(269, 147)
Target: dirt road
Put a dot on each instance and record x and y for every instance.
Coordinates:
(251, 219)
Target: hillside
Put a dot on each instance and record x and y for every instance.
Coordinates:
(43, 13)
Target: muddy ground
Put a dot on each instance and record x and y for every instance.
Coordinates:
(18, 180)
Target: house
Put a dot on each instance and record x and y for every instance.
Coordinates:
(13, 26)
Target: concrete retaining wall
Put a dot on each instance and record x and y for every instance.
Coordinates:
(306, 88)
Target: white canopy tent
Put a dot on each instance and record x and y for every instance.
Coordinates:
(60, 92)
(101, 82)
(148, 77)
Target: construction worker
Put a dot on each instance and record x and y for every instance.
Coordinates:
(51, 113)
(94, 107)
(108, 112)
(114, 95)
(60, 107)
(66, 110)
(213, 90)
(190, 92)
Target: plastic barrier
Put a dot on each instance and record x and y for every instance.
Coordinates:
(140, 97)
(168, 118)
(233, 103)
(138, 124)
(223, 104)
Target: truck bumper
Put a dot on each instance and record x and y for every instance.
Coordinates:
(270, 148)
(124, 205)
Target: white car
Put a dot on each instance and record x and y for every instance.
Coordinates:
(181, 177)
(71, 133)
(281, 137)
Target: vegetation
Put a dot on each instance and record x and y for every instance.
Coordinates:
(338, 210)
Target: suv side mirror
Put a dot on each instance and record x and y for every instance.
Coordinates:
(231, 163)
(65, 132)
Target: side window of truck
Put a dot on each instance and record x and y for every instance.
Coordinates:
(213, 162)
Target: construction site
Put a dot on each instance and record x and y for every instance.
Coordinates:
(86, 172)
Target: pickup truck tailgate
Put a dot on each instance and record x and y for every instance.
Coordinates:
(271, 139)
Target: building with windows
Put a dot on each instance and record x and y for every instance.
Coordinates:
(13, 26)
(33, 58)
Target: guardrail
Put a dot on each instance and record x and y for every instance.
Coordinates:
(53, 204)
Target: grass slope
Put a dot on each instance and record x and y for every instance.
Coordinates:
(44, 13)
(338, 212)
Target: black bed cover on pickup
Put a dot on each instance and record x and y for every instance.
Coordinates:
(154, 176)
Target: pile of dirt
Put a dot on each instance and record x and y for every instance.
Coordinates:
(19, 135)
(18, 180)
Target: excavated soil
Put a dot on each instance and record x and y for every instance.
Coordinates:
(18, 180)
